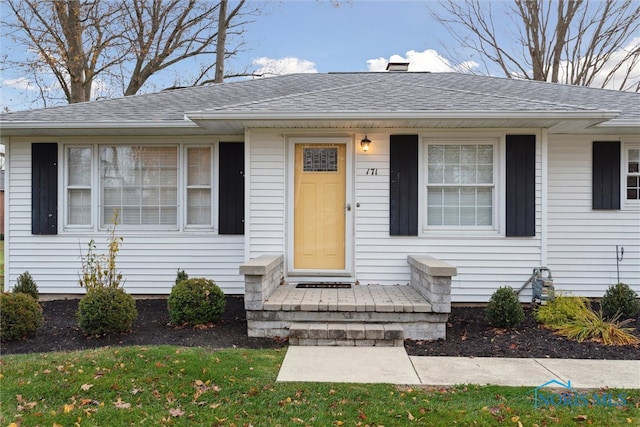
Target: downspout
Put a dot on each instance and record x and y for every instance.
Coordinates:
(544, 208)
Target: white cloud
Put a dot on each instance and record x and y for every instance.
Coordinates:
(427, 60)
(288, 65)
(619, 75)
(21, 83)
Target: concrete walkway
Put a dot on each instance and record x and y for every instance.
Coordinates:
(393, 365)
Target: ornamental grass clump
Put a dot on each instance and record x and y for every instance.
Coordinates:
(26, 285)
(106, 308)
(620, 301)
(504, 309)
(574, 318)
(20, 316)
(195, 301)
(561, 310)
(591, 325)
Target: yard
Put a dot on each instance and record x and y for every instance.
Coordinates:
(171, 385)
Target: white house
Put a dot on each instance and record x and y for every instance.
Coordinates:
(493, 176)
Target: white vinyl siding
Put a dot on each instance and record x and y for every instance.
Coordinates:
(485, 260)
(582, 241)
(265, 222)
(148, 260)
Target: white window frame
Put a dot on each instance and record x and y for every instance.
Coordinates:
(68, 186)
(213, 187)
(96, 192)
(626, 203)
(497, 141)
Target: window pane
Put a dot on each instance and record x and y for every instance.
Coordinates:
(484, 216)
(80, 166)
(141, 183)
(452, 174)
(434, 215)
(436, 154)
(434, 196)
(199, 206)
(451, 216)
(436, 174)
(634, 160)
(80, 206)
(199, 172)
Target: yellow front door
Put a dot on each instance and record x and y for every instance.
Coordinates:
(319, 207)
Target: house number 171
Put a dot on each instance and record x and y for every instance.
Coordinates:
(372, 171)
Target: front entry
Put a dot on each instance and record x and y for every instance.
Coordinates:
(319, 207)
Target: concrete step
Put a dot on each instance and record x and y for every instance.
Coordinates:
(346, 334)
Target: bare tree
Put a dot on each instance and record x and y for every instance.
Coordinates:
(74, 39)
(121, 42)
(578, 42)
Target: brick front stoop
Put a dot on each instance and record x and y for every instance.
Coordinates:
(364, 315)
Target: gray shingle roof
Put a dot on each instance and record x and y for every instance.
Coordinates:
(344, 92)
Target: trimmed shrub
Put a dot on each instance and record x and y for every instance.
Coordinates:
(620, 301)
(20, 316)
(26, 285)
(561, 310)
(195, 301)
(105, 310)
(504, 309)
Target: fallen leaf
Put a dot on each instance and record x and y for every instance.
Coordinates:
(297, 420)
(86, 387)
(121, 405)
(410, 416)
(176, 412)
(67, 408)
(580, 418)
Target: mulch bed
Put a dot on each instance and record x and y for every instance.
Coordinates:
(468, 334)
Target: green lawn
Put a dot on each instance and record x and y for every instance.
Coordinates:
(192, 386)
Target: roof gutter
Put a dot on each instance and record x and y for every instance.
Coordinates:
(97, 125)
(381, 115)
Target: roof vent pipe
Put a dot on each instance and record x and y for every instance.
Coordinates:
(398, 66)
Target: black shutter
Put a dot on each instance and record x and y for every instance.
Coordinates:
(44, 188)
(231, 192)
(403, 191)
(606, 175)
(521, 185)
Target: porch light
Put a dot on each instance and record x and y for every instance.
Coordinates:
(365, 143)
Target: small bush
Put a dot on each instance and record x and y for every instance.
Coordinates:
(20, 316)
(180, 276)
(504, 309)
(105, 310)
(26, 285)
(620, 301)
(591, 325)
(195, 301)
(561, 310)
